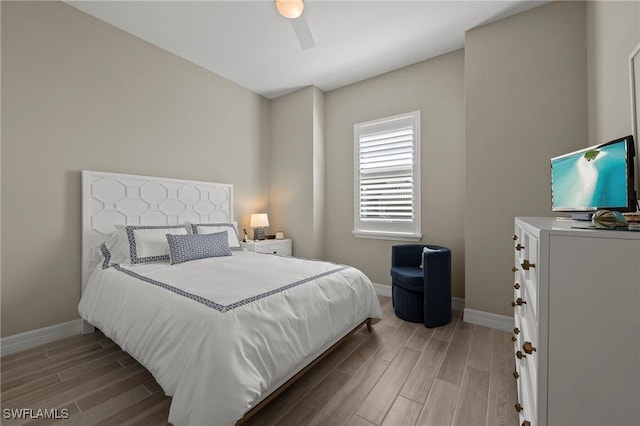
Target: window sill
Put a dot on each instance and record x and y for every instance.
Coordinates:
(395, 236)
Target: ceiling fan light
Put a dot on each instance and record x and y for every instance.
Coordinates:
(290, 8)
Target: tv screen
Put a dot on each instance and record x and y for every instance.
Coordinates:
(598, 177)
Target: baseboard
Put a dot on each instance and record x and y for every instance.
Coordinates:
(487, 319)
(33, 338)
(457, 303)
(382, 290)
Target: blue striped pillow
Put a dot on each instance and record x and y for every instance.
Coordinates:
(183, 248)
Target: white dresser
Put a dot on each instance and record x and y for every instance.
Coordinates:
(279, 247)
(577, 318)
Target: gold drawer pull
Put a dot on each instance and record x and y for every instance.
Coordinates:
(514, 269)
(520, 355)
(526, 423)
(518, 302)
(516, 330)
(528, 348)
(516, 286)
(518, 407)
(516, 375)
(514, 338)
(515, 237)
(526, 265)
(519, 247)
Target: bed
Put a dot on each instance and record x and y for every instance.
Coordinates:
(221, 334)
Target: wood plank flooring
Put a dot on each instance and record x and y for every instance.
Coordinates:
(401, 374)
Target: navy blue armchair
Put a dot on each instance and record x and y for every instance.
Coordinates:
(421, 294)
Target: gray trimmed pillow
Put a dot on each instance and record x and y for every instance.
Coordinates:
(183, 248)
(134, 244)
(105, 256)
(210, 228)
(147, 243)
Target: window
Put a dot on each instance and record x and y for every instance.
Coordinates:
(387, 178)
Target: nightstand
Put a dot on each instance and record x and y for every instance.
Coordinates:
(280, 247)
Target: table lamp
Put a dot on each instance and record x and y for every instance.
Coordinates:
(258, 222)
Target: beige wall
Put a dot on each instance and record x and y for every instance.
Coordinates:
(80, 94)
(526, 101)
(613, 31)
(319, 174)
(435, 87)
(297, 170)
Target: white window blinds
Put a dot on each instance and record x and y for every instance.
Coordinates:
(387, 177)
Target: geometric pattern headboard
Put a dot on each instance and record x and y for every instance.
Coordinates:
(110, 199)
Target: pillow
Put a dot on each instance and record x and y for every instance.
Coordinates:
(427, 250)
(114, 245)
(146, 244)
(231, 228)
(135, 244)
(183, 248)
(112, 249)
(104, 256)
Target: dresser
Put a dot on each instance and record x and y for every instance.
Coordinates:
(576, 303)
(279, 247)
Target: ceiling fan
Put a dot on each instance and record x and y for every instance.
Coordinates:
(292, 10)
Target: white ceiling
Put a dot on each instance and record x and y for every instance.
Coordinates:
(248, 43)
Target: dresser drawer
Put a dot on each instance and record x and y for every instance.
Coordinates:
(526, 382)
(527, 361)
(526, 398)
(281, 249)
(278, 247)
(525, 269)
(525, 300)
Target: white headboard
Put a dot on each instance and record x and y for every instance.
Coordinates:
(110, 199)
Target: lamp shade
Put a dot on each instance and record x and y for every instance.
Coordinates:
(290, 8)
(259, 219)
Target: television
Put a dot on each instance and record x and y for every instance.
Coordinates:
(597, 177)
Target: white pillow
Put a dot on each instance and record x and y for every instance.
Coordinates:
(115, 254)
(430, 250)
(138, 244)
(231, 228)
(426, 250)
(102, 256)
(145, 244)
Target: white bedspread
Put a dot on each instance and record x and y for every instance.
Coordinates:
(220, 334)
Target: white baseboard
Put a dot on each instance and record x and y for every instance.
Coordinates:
(457, 303)
(33, 338)
(472, 316)
(487, 319)
(382, 290)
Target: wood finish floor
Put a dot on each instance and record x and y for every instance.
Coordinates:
(400, 374)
